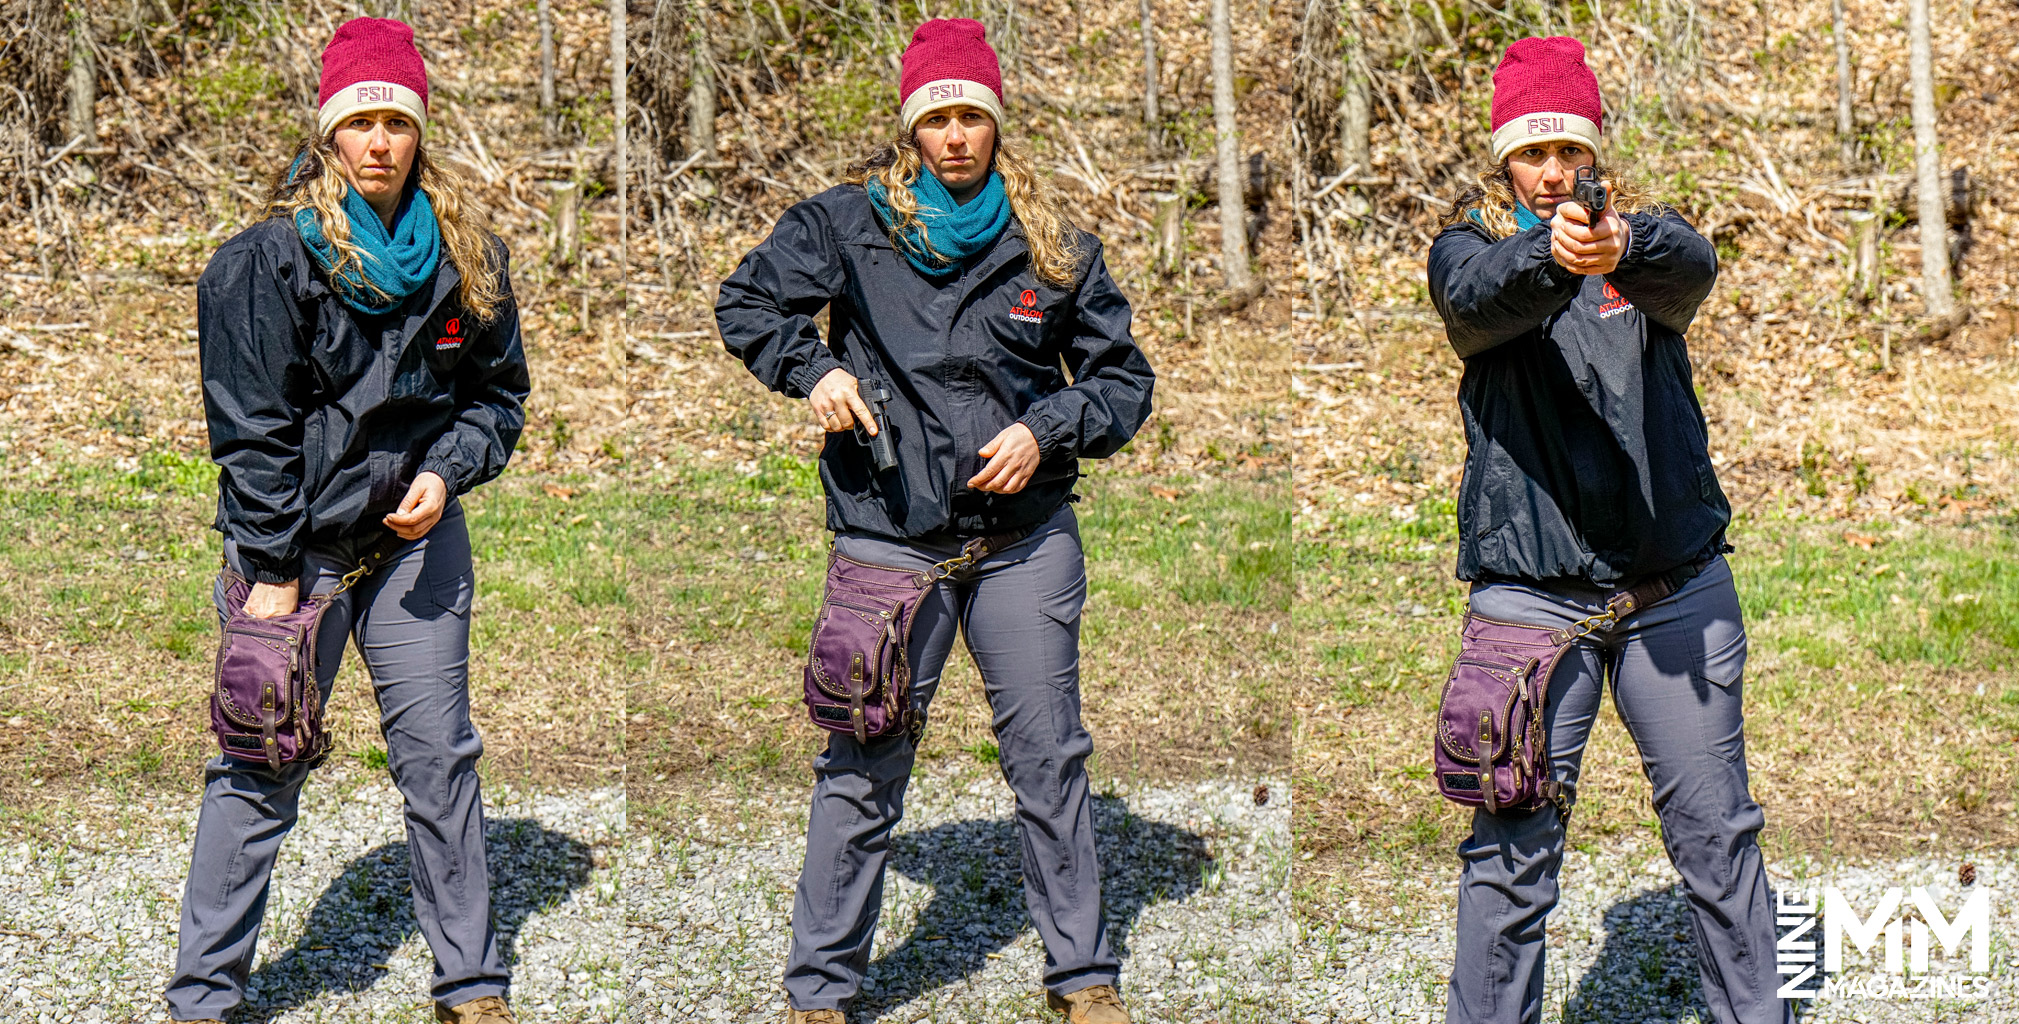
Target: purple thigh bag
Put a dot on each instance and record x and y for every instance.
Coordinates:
(1492, 747)
(266, 705)
(858, 675)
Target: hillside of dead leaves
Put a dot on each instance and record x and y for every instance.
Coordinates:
(809, 94)
(1823, 398)
(101, 247)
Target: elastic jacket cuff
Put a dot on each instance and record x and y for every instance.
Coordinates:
(1637, 237)
(263, 574)
(800, 382)
(1558, 274)
(1050, 439)
(446, 470)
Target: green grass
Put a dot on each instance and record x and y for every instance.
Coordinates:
(1182, 645)
(1880, 691)
(105, 647)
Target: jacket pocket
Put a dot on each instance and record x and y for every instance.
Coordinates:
(385, 479)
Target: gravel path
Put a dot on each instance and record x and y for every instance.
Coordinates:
(88, 928)
(1195, 886)
(1621, 949)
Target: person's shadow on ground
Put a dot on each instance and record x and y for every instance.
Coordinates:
(368, 912)
(1647, 969)
(976, 870)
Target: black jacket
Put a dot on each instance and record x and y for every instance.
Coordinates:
(321, 416)
(961, 364)
(1588, 457)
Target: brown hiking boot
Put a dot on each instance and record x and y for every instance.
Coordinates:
(793, 1016)
(481, 1010)
(1095, 1005)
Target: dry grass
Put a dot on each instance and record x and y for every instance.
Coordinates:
(1872, 724)
(105, 649)
(1183, 649)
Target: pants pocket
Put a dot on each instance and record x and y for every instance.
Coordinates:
(1722, 670)
(1064, 607)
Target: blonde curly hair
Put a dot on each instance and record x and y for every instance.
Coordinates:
(1053, 241)
(312, 181)
(1492, 197)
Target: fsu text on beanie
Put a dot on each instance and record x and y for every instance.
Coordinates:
(948, 63)
(1543, 92)
(371, 64)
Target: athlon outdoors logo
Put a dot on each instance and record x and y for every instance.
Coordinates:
(454, 340)
(1615, 303)
(1027, 311)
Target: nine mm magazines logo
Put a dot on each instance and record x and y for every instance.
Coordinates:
(455, 328)
(1027, 311)
(1909, 977)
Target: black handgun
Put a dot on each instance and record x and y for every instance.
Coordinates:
(881, 451)
(1590, 192)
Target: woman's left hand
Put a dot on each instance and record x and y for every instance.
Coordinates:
(1012, 460)
(422, 508)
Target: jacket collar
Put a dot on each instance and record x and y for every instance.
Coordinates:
(1013, 245)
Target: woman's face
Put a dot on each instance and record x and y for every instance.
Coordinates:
(1544, 172)
(375, 151)
(957, 143)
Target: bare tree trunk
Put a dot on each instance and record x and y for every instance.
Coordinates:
(1233, 229)
(700, 96)
(1936, 297)
(619, 75)
(546, 16)
(1356, 113)
(83, 78)
(45, 63)
(1846, 130)
(1150, 115)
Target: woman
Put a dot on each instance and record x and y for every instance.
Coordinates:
(954, 283)
(1588, 476)
(361, 368)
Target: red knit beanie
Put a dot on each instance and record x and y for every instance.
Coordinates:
(948, 63)
(371, 64)
(1543, 92)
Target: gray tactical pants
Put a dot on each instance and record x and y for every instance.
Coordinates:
(411, 620)
(1020, 613)
(1675, 669)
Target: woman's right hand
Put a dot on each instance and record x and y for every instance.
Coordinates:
(838, 404)
(269, 600)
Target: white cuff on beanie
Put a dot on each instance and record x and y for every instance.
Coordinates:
(363, 96)
(1543, 126)
(949, 92)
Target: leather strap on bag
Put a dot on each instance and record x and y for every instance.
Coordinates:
(973, 552)
(1632, 599)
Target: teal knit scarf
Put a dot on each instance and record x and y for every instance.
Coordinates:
(1524, 218)
(953, 232)
(397, 263)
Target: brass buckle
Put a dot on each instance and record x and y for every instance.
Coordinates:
(941, 570)
(351, 578)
